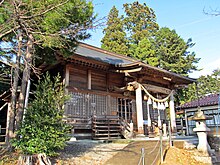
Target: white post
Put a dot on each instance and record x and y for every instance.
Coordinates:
(172, 114)
(89, 79)
(139, 110)
(7, 124)
(148, 115)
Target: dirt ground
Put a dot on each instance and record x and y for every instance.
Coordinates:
(89, 153)
(176, 156)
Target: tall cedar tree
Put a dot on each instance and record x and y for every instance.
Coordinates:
(145, 41)
(115, 36)
(43, 130)
(46, 24)
(125, 31)
(140, 21)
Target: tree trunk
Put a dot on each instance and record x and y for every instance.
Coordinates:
(25, 78)
(14, 89)
(37, 159)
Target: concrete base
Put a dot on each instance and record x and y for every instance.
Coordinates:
(72, 139)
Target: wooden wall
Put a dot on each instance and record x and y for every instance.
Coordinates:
(77, 77)
(100, 80)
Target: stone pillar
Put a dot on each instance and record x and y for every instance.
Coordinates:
(172, 114)
(139, 110)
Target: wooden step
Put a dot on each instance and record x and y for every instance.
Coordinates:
(105, 130)
(105, 138)
(106, 134)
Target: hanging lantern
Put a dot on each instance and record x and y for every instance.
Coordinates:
(149, 101)
(154, 105)
(166, 104)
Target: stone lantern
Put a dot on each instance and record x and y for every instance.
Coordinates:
(201, 129)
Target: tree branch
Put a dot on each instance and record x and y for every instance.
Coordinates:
(2, 1)
(44, 12)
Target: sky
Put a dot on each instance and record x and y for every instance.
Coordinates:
(187, 17)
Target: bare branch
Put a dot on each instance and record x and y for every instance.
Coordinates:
(6, 63)
(212, 12)
(2, 1)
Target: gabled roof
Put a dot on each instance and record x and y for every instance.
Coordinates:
(122, 62)
(209, 100)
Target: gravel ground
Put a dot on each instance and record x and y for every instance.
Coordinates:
(88, 153)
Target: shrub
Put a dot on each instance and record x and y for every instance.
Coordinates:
(43, 130)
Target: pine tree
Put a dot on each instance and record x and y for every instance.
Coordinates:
(46, 24)
(146, 52)
(43, 129)
(114, 35)
(172, 52)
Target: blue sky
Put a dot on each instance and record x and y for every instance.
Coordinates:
(187, 18)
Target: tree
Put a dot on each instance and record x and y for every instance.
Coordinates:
(126, 31)
(43, 129)
(162, 47)
(145, 51)
(140, 21)
(172, 52)
(45, 24)
(208, 84)
(115, 37)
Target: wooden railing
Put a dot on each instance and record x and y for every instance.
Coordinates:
(126, 129)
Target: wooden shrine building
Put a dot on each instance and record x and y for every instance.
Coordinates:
(107, 87)
(113, 95)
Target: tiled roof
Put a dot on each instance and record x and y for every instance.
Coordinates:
(211, 99)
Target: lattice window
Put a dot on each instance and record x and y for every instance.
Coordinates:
(125, 109)
(87, 104)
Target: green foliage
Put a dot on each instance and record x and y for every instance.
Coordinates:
(137, 34)
(145, 52)
(172, 52)
(43, 130)
(209, 84)
(140, 21)
(54, 24)
(124, 32)
(115, 36)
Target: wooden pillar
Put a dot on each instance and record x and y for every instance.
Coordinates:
(89, 79)
(172, 114)
(139, 110)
